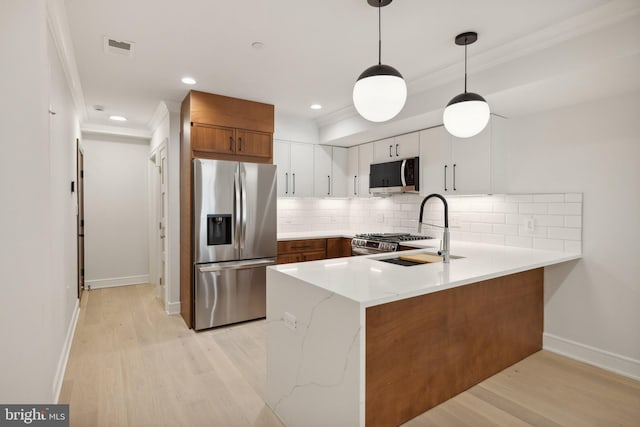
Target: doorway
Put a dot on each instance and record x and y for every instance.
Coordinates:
(159, 207)
(80, 216)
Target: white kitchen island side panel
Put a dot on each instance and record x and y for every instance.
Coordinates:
(318, 382)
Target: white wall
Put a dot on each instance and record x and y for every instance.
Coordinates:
(169, 129)
(297, 129)
(593, 148)
(37, 219)
(116, 210)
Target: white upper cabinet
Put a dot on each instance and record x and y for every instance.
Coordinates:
(330, 171)
(295, 168)
(282, 159)
(365, 158)
(359, 160)
(396, 148)
(450, 165)
(353, 171)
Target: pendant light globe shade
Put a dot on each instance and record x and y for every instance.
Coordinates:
(379, 93)
(466, 115)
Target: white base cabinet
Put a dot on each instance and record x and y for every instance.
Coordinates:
(451, 165)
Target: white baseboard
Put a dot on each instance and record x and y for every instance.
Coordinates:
(64, 355)
(173, 307)
(117, 281)
(594, 356)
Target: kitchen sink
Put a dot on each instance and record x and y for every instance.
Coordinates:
(408, 263)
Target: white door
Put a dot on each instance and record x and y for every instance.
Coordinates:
(301, 170)
(282, 159)
(162, 227)
(365, 158)
(435, 161)
(322, 170)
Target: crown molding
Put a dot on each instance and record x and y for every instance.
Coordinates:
(89, 128)
(59, 28)
(600, 17)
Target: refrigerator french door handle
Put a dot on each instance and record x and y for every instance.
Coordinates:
(237, 213)
(243, 192)
(238, 265)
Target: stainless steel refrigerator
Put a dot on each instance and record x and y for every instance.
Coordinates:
(234, 226)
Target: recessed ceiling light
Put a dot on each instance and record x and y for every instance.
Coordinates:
(257, 45)
(188, 80)
(315, 107)
(118, 118)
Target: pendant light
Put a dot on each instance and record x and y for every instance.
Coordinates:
(380, 92)
(467, 114)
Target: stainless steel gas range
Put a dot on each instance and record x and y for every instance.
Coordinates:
(375, 243)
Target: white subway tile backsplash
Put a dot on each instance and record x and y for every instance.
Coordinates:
(572, 246)
(564, 233)
(497, 219)
(549, 220)
(519, 241)
(565, 208)
(548, 198)
(573, 221)
(548, 244)
(573, 197)
(507, 230)
(532, 208)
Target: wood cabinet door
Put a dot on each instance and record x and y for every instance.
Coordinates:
(313, 256)
(212, 139)
(255, 144)
(288, 258)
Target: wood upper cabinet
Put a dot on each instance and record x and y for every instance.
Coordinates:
(256, 144)
(223, 140)
(212, 139)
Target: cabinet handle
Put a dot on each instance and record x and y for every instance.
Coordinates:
(294, 183)
(355, 188)
(230, 143)
(445, 177)
(286, 183)
(454, 177)
(328, 185)
(390, 155)
(240, 144)
(397, 150)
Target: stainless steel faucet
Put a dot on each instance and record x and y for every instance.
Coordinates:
(444, 251)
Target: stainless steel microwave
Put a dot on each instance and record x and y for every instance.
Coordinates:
(399, 176)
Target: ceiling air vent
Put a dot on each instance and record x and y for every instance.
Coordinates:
(118, 47)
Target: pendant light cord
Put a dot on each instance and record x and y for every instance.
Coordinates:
(465, 65)
(379, 33)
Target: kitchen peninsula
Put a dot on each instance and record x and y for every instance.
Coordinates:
(355, 341)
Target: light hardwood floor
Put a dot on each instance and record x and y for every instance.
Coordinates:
(132, 365)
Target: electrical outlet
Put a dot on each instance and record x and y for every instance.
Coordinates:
(290, 321)
(530, 224)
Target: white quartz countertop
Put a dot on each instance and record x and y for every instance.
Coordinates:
(370, 282)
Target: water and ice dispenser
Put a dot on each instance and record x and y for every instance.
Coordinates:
(219, 229)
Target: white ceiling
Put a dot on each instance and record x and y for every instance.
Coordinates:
(313, 53)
